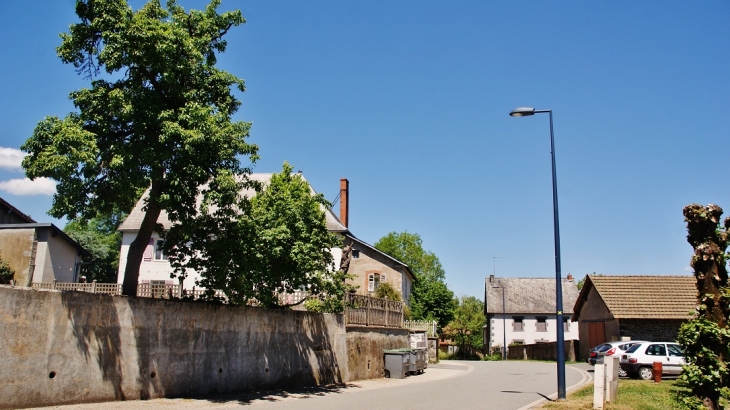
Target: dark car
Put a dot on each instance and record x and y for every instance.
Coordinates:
(593, 355)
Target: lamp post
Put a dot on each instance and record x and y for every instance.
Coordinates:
(525, 112)
(504, 324)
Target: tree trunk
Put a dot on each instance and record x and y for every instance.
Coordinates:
(137, 248)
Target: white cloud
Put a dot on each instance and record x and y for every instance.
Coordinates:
(10, 158)
(26, 187)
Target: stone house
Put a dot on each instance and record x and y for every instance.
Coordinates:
(611, 308)
(368, 265)
(522, 311)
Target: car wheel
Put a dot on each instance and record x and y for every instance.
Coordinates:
(622, 372)
(645, 373)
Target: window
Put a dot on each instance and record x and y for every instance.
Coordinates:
(355, 253)
(159, 253)
(656, 350)
(517, 324)
(675, 350)
(373, 281)
(541, 325)
(566, 324)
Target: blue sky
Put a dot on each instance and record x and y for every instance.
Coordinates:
(409, 100)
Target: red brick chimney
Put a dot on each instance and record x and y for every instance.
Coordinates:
(344, 200)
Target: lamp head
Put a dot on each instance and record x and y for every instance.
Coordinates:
(522, 112)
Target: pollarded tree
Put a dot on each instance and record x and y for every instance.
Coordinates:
(157, 116)
(705, 338)
(278, 243)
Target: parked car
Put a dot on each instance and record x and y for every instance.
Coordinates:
(611, 349)
(637, 361)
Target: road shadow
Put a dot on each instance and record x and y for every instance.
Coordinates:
(274, 395)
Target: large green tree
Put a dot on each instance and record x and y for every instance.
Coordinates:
(99, 236)
(278, 244)
(466, 327)
(431, 298)
(157, 115)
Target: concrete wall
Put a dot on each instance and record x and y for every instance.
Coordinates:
(16, 248)
(365, 350)
(68, 347)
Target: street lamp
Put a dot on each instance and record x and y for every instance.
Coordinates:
(504, 324)
(526, 112)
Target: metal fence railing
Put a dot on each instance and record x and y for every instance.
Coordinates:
(364, 310)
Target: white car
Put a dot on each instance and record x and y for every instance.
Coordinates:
(638, 359)
(611, 349)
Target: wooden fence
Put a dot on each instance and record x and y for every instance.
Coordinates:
(153, 290)
(430, 327)
(368, 311)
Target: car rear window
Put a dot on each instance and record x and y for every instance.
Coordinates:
(633, 348)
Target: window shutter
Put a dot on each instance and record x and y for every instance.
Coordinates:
(382, 278)
(149, 250)
(371, 283)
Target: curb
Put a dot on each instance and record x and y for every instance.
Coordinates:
(584, 380)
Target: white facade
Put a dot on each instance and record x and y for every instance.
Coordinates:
(530, 332)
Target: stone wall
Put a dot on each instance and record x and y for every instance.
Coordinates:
(652, 330)
(71, 347)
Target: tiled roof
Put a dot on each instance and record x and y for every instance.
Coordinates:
(529, 295)
(134, 220)
(644, 297)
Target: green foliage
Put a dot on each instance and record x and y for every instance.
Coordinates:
(100, 237)
(277, 244)
(705, 338)
(495, 357)
(6, 273)
(581, 282)
(157, 116)
(431, 298)
(466, 327)
(386, 290)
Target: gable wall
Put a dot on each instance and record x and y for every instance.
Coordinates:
(373, 262)
(595, 310)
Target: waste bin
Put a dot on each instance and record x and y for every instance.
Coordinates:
(397, 363)
(421, 359)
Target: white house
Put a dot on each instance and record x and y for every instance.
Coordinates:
(525, 307)
(365, 260)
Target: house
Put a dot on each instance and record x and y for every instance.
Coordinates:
(37, 252)
(11, 215)
(369, 266)
(611, 308)
(525, 308)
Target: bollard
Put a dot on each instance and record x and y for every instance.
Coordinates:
(656, 371)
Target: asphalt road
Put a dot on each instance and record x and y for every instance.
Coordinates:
(508, 385)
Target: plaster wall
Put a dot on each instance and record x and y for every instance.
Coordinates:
(16, 249)
(529, 335)
(55, 258)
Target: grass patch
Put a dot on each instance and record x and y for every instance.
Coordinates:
(632, 395)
